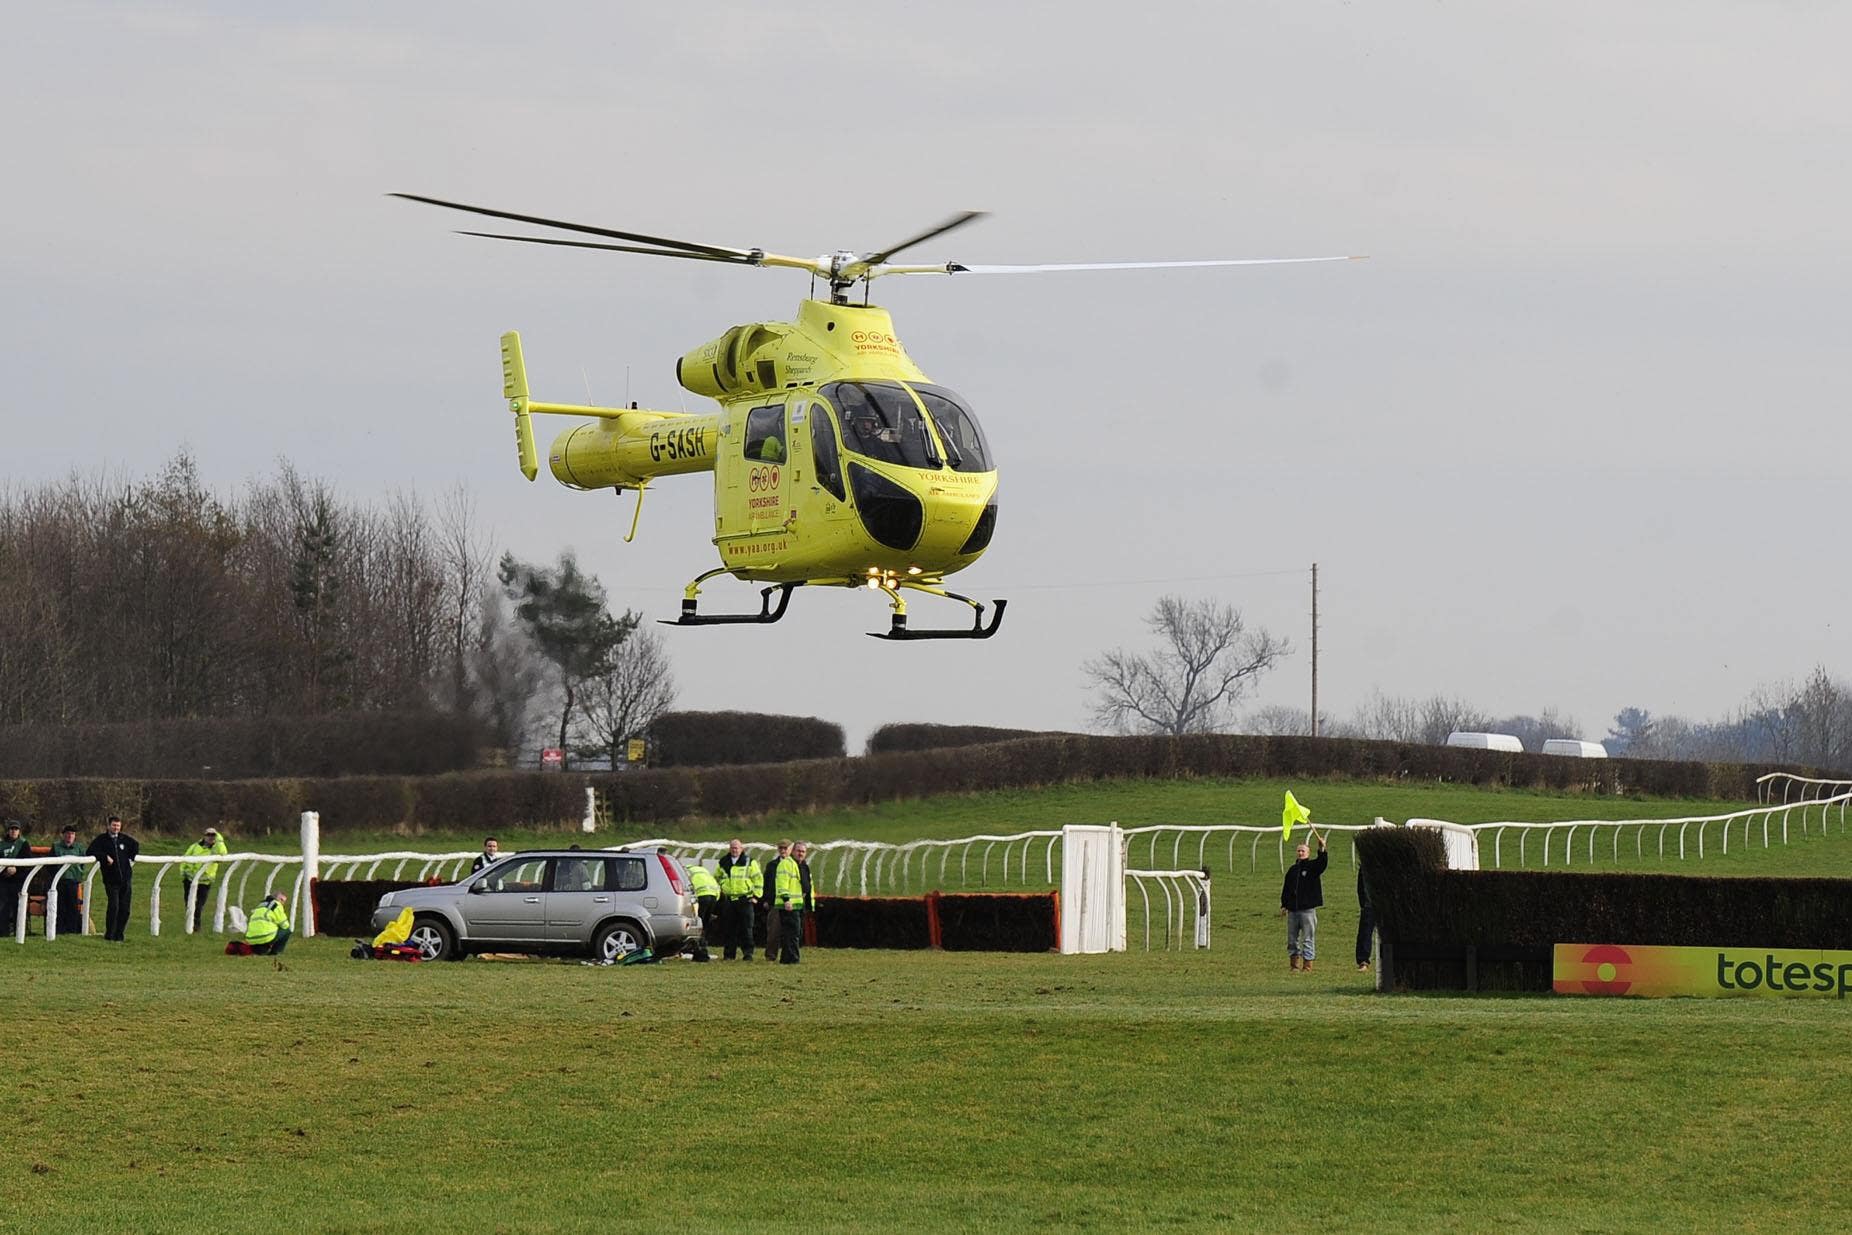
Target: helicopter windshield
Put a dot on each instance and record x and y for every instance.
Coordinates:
(881, 420)
(965, 447)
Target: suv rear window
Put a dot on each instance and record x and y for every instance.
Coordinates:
(632, 874)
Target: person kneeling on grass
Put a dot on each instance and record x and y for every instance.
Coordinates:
(268, 932)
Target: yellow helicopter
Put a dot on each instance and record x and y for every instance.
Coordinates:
(837, 462)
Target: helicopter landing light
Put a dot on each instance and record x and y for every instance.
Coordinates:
(913, 570)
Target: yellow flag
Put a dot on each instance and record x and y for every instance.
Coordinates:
(1293, 813)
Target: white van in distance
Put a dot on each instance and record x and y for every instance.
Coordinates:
(1575, 749)
(1486, 741)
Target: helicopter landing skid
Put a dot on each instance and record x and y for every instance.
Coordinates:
(767, 613)
(898, 628)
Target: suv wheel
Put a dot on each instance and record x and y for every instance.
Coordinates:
(435, 940)
(616, 940)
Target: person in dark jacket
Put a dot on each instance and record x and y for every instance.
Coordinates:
(12, 878)
(788, 896)
(115, 852)
(1366, 924)
(1300, 897)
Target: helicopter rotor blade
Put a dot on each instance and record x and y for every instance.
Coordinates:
(710, 250)
(614, 248)
(956, 221)
(960, 267)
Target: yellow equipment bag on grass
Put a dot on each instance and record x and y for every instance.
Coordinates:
(397, 931)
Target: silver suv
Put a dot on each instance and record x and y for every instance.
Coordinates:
(600, 902)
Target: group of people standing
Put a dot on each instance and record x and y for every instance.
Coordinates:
(114, 852)
(781, 888)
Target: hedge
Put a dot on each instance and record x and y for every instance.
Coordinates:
(940, 737)
(1504, 924)
(655, 797)
(709, 739)
(410, 743)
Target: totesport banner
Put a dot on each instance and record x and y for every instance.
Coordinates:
(1610, 969)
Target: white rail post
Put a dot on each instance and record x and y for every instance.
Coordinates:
(311, 864)
(590, 822)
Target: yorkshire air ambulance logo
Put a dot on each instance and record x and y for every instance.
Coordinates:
(1603, 969)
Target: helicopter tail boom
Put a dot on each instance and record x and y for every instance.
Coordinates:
(626, 448)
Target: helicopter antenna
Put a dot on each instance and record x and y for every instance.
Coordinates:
(626, 383)
(588, 384)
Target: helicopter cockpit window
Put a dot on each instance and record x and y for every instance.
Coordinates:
(823, 450)
(881, 420)
(765, 434)
(965, 448)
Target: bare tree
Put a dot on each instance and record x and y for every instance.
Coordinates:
(1822, 705)
(638, 687)
(1206, 660)
(1284, 720)
(1441, 716)
(1388, 718)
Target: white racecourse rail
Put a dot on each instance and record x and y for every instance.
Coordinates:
(1022, 859)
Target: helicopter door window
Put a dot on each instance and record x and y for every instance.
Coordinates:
(765, 434)
(882, 421)
(823, 451)
(965, 447)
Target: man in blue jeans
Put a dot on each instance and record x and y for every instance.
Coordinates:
(1300, 897)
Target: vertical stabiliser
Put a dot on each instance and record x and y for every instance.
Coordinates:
(514, 389)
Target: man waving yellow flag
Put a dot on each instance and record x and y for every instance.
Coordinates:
(1293, 813)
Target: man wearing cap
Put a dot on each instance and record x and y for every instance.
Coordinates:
(196, 877)
(12, 878)
(70, 882)
(115, 852)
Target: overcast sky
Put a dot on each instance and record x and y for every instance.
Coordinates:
(1574, 435)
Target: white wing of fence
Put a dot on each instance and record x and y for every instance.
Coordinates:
(1186, 899)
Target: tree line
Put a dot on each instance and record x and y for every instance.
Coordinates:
(1204, 659)
(147, 600)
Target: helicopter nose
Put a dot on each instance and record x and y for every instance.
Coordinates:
(951, 519)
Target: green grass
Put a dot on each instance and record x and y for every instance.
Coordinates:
(162, 1086)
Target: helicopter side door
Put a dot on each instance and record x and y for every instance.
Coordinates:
(822, 484)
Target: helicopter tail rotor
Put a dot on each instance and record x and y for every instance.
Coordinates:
(514, 389)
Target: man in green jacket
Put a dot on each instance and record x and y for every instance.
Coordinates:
(196, 877)
(12, 878)
(268, 930)
(70, 881)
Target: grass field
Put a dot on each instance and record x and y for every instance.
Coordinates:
(158, 1085)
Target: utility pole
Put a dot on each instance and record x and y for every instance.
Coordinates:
(1314, 649)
